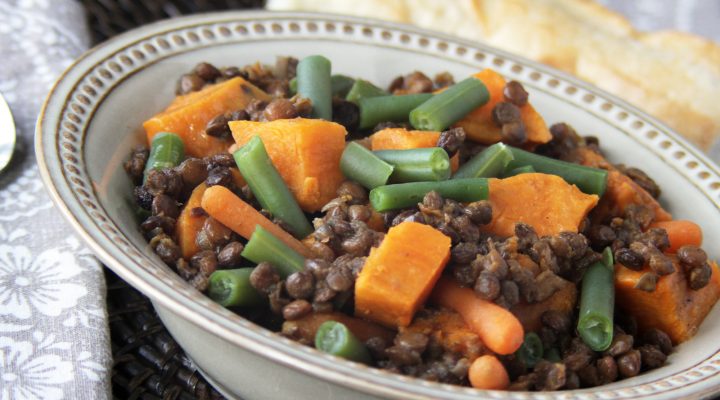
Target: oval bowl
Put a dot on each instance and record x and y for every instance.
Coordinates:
(92, 118)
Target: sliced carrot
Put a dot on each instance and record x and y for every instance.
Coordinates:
(545, 202)
(306, 153)
(621, 190)
(304, 329)
(673, 307)
(480, 126)
(398, 276)
(223, 205)
(188, 115)
(487, 372)
(681, 233)
(403, 139)
(498, 328)
(189, 223)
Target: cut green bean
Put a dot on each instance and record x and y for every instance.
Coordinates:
(449, 106)
(339, 84)
(313, 82)
(526, 169)
(362, 89)
(401, 195)
(489, 163)
(335, 338)
(263, 246)
(374, 110)
(417, 165)
(166, 151)
(362, 166)
(269, 188)
(589, 180)
(232, 288)
(597, 303)
(531, 351)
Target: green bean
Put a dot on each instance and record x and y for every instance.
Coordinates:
(232, 288)
(268, 187)
(313, 82)
(362, 166)
(449, 106)
(374, 110)
(403, 195)
(417, 165)
(362, 89)
(264, 246)
(597, 303)
(339, 84)
(531, 351)
(166, 151)
(335, 338)
(589, 180)
(489, 163)
(525, 169)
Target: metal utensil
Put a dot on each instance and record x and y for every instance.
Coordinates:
(8, 134)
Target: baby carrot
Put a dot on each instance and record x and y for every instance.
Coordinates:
(487, 372)
(498, 328)
(223, 205)
(680, 233)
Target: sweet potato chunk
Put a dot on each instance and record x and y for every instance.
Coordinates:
(449, 330)
(529, 314)
(546, 202)
(306, 153)
(188, 115)
(480, 126)
(673, 307)
(189, 223)
(398, 276)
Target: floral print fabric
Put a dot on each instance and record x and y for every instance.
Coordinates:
(54, 341)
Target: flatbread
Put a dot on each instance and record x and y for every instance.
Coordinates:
(671, 75)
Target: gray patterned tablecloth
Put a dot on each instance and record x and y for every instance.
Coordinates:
(54, 340)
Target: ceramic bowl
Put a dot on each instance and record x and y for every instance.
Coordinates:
(92, 118)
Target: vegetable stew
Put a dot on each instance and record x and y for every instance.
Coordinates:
(433, 229)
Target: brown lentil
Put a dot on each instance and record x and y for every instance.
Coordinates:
(515, 93)
(607, 369)
(699, 277)
(487, 286)
(647, 282)
(660, 339)
(451, 140)
(692, 255)
(651, 356)
(193, 171)
(621, 344)
(264, 277)
(296, 310)
(630, 259)
(300, 285)
(629, 364)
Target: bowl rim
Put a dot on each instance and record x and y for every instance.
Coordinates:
(218, 321)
